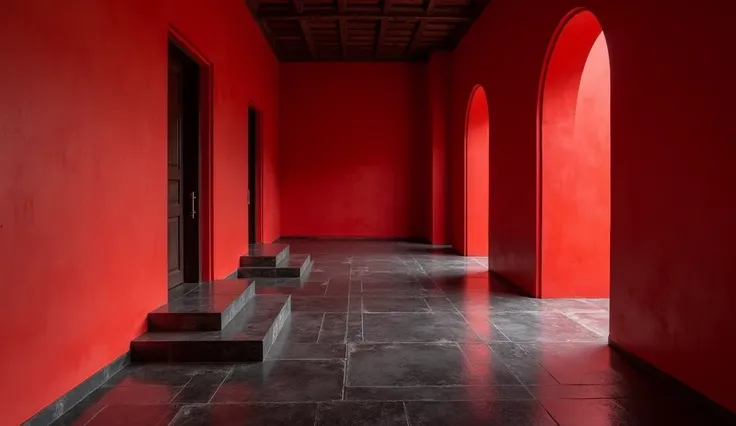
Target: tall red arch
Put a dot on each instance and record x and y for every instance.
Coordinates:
(477, 178)
(574, 207)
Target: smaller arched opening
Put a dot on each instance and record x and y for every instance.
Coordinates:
(575, 183)
(477, 178)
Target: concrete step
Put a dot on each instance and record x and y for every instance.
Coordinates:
(247, 338)
(208, 306)
(265, 255)
(293, 266)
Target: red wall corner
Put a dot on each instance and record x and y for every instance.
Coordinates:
(439, 70)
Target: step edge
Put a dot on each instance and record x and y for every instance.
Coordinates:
(169, 348)
(276, 327)
(219, 319)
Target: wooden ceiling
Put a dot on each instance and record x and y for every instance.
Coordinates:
(363, 30)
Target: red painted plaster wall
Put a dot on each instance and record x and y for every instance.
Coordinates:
(83, 172)
(672, 180)
(477, 175)
(575, 163)
(439, 73)
(457, 130)
(593, 130)
(355, 150)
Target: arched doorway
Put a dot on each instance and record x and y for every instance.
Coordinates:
(574, 163)
(477, 157)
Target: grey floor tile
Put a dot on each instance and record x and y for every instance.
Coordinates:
(567, 305)
(601, 303)
(371, 365)
(471, 413)
(494, 304)
(524, 327)
(438, 393)
(394, 304)
(628, 412)
(139, 415)
(363, 413)
(355, 327)
(485, 367)
(405, 365)
(319, 304)
(195, 394)
(397, 287)
(166, 374)
(582, 363)
(524, 366)
(485, 330)
(337, 288)
(440, 304)
(391, 333)
(135, 395)
(596, 321)
(295, 350)
(607, 391)
(418, 327)
(302, 327)
(334, 327)
(246, 414)
(283, 381)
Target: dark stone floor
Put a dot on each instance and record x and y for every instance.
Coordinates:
(401, 334)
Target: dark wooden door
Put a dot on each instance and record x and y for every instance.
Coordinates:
(252, 173)
(175, 179)
(183, 168)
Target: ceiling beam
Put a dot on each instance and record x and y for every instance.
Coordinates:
(404, 60)
(416, 38)
(381, 35)
(298, 6)
(396, 18)
(477, 9)
(387, 6)
(344, 38)
(448, 24)
(253, 8)
(308, 38)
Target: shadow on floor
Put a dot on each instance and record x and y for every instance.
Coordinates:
(404, 334)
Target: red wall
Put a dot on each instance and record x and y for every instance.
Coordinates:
(476, 175)
(355, 150)
(439, 74)
(83, 175)
(672, 184)
(575, 163)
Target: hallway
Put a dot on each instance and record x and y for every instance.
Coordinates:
(388, 333)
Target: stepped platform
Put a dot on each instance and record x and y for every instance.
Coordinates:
(288, 266)
(207, 307)
(264, 255)
(247, 338)
(232, 320)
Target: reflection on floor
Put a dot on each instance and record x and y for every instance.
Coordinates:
(401, 334)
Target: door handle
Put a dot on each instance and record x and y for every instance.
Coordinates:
(193, 197)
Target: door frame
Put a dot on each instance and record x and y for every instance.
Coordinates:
(206, 92)
(258, 184)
